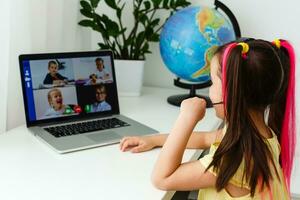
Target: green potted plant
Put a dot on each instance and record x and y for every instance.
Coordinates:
(129, 46)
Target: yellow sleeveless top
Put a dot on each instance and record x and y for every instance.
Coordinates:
(278, 187)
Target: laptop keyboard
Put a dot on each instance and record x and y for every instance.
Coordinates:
(85, 127)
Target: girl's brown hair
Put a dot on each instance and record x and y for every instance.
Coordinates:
(255, 82)
(51, 62)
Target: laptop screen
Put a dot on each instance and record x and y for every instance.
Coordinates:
(68, 85)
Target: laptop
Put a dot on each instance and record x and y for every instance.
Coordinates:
(71, 100)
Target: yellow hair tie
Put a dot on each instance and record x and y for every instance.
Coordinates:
(245, 47)
(277, 43)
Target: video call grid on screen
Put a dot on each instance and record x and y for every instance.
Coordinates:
(80, 86)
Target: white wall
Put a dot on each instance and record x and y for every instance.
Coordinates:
(39, 26)
(4, 59)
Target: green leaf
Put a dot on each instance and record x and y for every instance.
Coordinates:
(143, 19)
(119, 11)
(100, 30)
(147, 5)
(94, 3)
(111, 27)
(156, 3)
(123, 30)
(145, 48)
(172, 4)
(135, 13)
(182, 3)
(100, 26)
(86, 23)
(139, 39)
(155, 22)
(114, 45)
(111, 3)
(86, 13)
(166, 4)
(149, 32)
(97, 17)
(128, 42)
(154, 37)
(103, 46)
(86, 6)
(113, 33)
(124, 52)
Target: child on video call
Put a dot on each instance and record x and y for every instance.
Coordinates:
(53, 77)
(57, 108)
(101, 72)
(253, 91)
(100, 104)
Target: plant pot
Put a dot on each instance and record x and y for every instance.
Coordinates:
(129, 77)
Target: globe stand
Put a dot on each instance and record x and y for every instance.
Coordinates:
(227, 11)
(177, 99)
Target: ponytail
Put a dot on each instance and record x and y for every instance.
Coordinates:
(288, 130)
(224, 69)
(242, 138)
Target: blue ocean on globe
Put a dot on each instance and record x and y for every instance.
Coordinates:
(189, 39)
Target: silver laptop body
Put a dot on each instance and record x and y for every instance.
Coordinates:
(71, 100)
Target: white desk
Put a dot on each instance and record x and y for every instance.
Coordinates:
(30, 170)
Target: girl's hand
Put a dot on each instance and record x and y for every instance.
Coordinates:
(137, 144)
(193, 108)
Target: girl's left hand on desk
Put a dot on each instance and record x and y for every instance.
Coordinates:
(136, 144)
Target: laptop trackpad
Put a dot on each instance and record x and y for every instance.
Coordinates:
(104, 136)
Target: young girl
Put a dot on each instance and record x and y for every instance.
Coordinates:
(57, 107)
(251, 158)
(101, 72)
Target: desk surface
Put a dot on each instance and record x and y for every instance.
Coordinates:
(31, 170)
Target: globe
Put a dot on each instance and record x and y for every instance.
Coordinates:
(190, 37)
